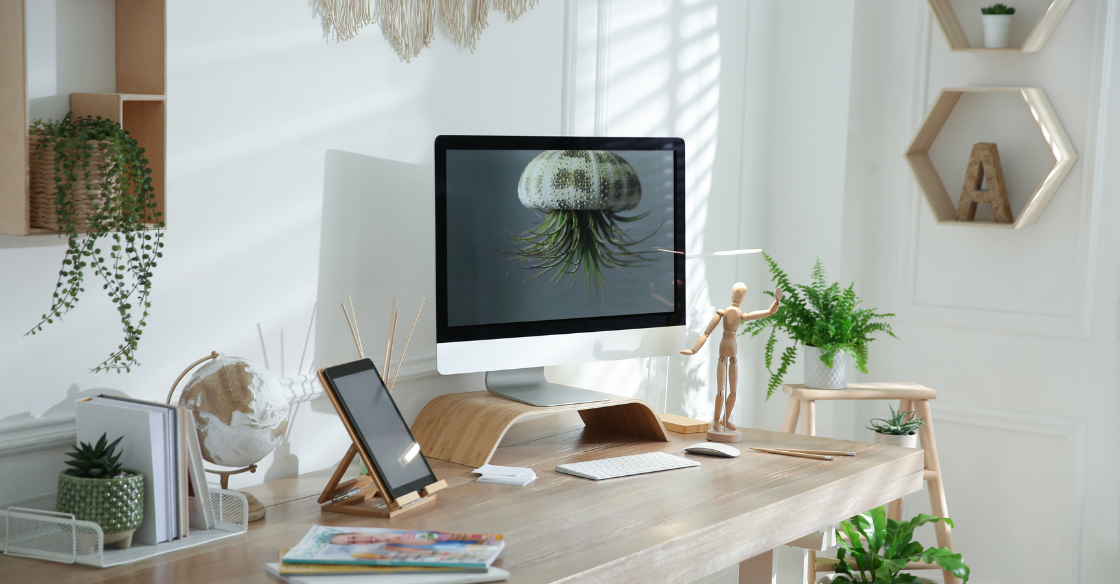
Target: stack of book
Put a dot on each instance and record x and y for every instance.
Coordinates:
(391, 555)
(159, 441)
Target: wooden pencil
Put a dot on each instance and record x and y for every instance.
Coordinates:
(790, 453)
(828, 452)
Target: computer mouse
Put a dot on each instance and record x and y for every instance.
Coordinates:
(713, 449)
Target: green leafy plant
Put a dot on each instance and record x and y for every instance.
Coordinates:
(124, 234)
(998, 9)
(879, 549)
(100, 461)
(820, 315)
(899, 423)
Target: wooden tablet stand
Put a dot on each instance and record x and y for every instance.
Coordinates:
(372, 498)
(466, 427)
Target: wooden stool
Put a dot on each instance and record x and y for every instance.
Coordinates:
(911, 397)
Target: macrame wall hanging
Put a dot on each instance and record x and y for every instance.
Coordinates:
(409, 25)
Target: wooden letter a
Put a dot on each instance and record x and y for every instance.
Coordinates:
(984, 166)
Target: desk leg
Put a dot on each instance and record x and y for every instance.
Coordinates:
(783, 565)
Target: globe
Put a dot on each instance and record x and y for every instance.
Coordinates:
(239, 410)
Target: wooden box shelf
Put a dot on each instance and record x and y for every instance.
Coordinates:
(138, 105)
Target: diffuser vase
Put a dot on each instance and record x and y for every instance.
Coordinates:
(997, 30)
(117, 504)
(821, 376)
(904, 440)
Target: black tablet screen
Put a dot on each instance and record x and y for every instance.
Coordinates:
(379, 424)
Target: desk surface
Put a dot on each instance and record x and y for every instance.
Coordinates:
(672, 526)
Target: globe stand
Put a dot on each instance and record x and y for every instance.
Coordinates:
(256, 508)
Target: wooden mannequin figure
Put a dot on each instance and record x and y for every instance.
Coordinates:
(727, 369)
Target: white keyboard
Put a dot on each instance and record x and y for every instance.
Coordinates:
(609, 468)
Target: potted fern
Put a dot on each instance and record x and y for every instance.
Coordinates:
(874, 549)
(997, 25)
(824, 318)
(898, 429)
(90, 182)
(95, 488)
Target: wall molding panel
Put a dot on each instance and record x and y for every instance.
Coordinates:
(1077, 322)
(33, 434)
(1072, 433)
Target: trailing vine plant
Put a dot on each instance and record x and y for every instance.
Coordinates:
(820, 315)
(124, 235)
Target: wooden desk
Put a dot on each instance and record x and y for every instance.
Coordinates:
(672, 526)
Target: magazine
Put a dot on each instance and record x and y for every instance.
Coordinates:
(293, 569)
(376, 546)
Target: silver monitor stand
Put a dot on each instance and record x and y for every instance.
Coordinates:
(529, 386)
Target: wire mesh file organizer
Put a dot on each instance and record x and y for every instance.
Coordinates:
(35, 530)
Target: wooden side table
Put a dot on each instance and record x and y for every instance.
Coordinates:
(911, 397)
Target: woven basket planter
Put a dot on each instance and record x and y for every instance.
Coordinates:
(44, 214)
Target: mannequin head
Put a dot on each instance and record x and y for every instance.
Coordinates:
(738, 293)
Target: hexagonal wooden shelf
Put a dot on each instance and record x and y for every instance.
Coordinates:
(951, 26)
(944, 207)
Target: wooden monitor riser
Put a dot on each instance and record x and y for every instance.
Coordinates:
(466, 427)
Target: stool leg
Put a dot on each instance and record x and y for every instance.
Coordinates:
(789, 422)
(936, 486)
(895, 510)
(809, 420)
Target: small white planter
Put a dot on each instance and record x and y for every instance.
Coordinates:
(907, 441)
(819, 376)
(997, 30)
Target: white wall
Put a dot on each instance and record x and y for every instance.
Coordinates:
(1015, 329)
(256, 101)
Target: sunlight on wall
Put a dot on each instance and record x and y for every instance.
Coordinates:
(652, 68)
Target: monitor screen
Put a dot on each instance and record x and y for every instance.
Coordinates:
(539, 235)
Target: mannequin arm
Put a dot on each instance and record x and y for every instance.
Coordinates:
(762, 313)
(704, 337)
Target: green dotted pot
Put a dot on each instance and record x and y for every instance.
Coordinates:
(117, 505)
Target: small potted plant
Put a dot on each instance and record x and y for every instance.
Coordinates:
(95, 488)
(824, 318)
(874, 549)
(898, 429)
(997, 25)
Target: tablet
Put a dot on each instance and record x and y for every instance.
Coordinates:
(377, 427)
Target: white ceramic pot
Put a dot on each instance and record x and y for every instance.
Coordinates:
(997, 29)
(819, 376)
(907, 441)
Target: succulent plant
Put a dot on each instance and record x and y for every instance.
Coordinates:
(998, 9)
(100, 461)
(897, 424)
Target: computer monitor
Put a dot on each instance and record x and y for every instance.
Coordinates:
(549, 251)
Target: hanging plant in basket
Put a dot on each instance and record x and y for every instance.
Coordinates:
(91, 182)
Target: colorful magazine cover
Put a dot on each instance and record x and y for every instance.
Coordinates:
(376, 546)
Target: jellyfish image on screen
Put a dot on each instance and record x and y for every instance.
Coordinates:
(581, 193)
